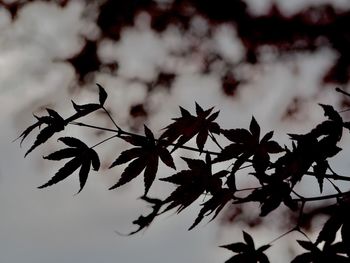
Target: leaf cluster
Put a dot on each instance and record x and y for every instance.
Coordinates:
(276, 170)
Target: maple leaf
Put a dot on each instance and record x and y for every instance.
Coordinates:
(247, 143)
(144, 157)
(329, 253)
(55, 123)
(339, 219)
(215, 204)
(85, 109)
(192, 183)
(271, 196)
(187, 126)
(82, 156)
(246, 252)
(313, 147)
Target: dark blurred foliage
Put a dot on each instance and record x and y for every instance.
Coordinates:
(309, 30)
(306, 31)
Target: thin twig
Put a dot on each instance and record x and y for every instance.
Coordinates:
(121, 132)
(110, 117)
(320, 198)
(107, 139)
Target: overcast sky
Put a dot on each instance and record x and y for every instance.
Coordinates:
(53, 225)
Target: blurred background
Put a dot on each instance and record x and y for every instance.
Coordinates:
(274, 59)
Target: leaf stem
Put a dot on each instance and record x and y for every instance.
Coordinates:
(122, 132)
(107, 139)
(320, 198)
(110, 117)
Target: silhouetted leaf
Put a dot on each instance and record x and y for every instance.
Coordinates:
(331, 113)
(215, 204)
(62, 154)
(345, 235)
(191, 184)
(330, 228)
(248, 240)
(187, 126)
(83, 157)
(102, 94)
(146, 157)
(246, 253)
(55, 123)
(254, 128)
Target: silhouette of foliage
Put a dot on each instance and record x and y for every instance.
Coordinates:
(277, 171)
(246, 252)
(83, 156)
(146, 157)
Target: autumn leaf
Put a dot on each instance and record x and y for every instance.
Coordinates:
(144, 157)
(192, 183)
(55, 123)
(187, 126)
(246, 252)
(215, 204)
(270, 196)
(85, 109)
(82, 156)
(246, 144)
(329, 253)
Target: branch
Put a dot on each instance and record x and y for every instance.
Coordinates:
(122, 132)
(320, 198)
